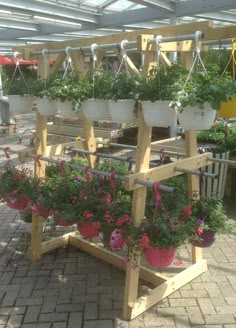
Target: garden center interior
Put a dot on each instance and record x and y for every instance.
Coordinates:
(118, 164)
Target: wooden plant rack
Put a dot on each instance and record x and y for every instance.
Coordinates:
(164, 286)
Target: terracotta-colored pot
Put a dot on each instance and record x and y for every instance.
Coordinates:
(160, 257)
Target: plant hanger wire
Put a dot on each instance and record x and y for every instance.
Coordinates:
(94, 59)
(17, 68)
(68, 62)
(197, 58)
(46, 65)
(160, 60)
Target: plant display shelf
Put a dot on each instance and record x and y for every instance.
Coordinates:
(164, 286)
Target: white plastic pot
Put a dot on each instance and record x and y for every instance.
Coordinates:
(20, 104)
(95, 109)
(158, 113)
(122, 110)
(194, 118)
(65, 109)
(46, 107)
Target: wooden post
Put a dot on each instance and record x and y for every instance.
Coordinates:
(39, 171)
(138, 209)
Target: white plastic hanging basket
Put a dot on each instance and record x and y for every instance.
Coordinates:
(20, 104)
(194, 118)
(46, 107)
(95, 109)
(65, 109)
(122, 110)
(158, 113)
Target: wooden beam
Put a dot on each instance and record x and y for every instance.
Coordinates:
(144, 45)
(36, 238)
(138, 210)
(56, 150)
(170, 286)
(58, 63)
(166, 171)
(113, 258)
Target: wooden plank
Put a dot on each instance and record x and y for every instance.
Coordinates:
(170, 286)
(90, 142)
(55, 150)
(103, 254)
(130, 36)
(36, 238)
(57, 64)
(138, 210)
(220, 33)
(41, 142)
(163, 172)
(209, 182)
(76, 131)
(216, 180)
(144, 45)
(225, 156)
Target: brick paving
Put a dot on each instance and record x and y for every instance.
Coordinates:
(68, 288)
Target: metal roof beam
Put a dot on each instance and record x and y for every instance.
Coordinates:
(193, 7)
(50, 10)
(223, 17)
(163, 5)
(131, 17)
(17, 24)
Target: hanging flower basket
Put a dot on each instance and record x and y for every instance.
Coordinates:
(88, 230)
(122, 110)
(65, 109)
(207, 239)
(95, 109)
(196, 119)
(160, 257)
(18, 202)
(46, 107)
(158, 113)
(20, 104)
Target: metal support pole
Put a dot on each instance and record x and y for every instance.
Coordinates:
(115, 45)
(151, 184)
(205, 174)
(165, 152)
(224, 161)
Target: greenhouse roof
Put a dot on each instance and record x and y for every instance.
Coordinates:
(38, 21)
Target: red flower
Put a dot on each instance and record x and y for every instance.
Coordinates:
(144, 242)
(187, 211)
(199, 231)
(124, 219)
(108, 217)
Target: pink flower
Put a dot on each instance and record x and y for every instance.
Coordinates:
(199, 231)
(88, 214)
(144, 242)
(124, 219)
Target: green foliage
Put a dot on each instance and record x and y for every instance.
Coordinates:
(122, 87)
(229, 143)
(216, 134)
(210, 214)
(100, 85)
(219, 57)
(159, 83)
(203, 88)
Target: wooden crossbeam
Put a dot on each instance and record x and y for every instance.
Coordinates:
(170, 286)
(148, 275)
(166, 171)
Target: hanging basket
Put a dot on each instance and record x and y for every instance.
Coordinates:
(18, 202)
(95, 109)
(160, 257)
(64, 109)
(122, 110)
(196, 119)
(88, 229)
(158, 113)
(207, 239)
(20, 104)
(46, 107)
(228, 109)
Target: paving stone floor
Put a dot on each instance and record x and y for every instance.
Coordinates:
(68, 288)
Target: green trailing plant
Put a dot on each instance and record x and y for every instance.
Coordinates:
(158, 85)
(122, 87)
(100, 85)
(203, 87)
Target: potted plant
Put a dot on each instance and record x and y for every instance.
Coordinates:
(201, 96)
(166, 225)
(19, 95)
(209, 218)
(155, 93)
(95, 105)
(44, 104)
(122, 98)
(68, 92)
